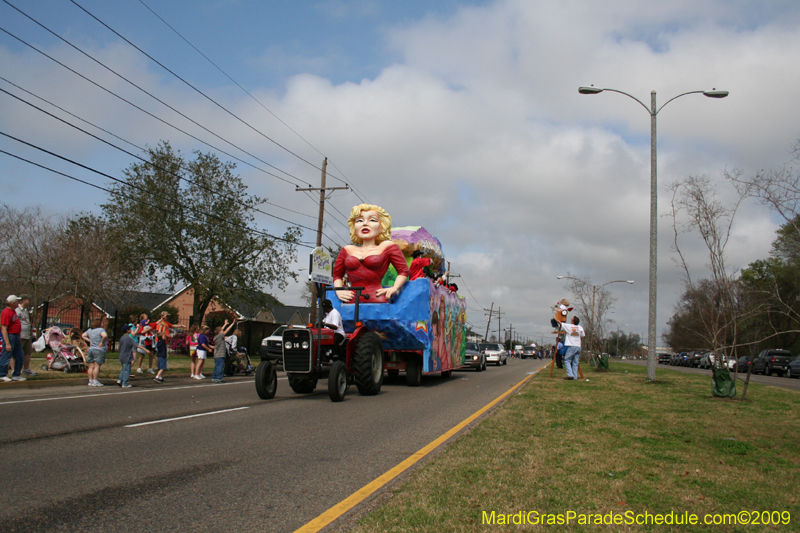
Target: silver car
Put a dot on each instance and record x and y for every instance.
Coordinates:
(494, 352)
(473, 357)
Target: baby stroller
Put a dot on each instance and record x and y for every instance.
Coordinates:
(65, 357)
(237, 361)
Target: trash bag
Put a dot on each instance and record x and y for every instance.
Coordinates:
(723, 384)
(40, 344)
(604, 362)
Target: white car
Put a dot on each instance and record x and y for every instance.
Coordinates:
(494, 352)
(272, 346)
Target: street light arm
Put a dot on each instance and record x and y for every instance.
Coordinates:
(616, 281)
(629, 96)
(674, 97)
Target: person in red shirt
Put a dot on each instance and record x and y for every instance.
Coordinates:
(418, 263)
(12, 344)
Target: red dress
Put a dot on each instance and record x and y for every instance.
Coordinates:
(369, 272)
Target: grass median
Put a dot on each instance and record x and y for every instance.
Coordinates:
(178, 366)
(615, 445)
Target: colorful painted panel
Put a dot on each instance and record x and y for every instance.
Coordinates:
(425, 317)
(410, 239)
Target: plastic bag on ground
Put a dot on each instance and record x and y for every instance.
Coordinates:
(723, 385)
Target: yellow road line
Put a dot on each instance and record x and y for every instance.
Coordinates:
(364, 492)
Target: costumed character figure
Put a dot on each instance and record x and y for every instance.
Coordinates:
(366, 261)
(560, 313)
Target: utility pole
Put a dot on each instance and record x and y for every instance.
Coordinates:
(499, 331)
(486, 337)
(322, 190)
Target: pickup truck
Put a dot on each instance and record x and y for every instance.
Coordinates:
(769, 361)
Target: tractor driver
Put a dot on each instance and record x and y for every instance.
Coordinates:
(333, 320)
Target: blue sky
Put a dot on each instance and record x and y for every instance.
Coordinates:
(463, 117)
(261, 42)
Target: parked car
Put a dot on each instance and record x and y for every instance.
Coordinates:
(474, 358)
(697, 355)
(743, 363)
(663, 358)
(769, 361)
(528, 351)
(793, 370)
(675, 359)
(494, 352)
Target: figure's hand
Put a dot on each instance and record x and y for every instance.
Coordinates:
(388, 293)
(345, 296)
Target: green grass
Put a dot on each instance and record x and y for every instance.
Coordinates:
(178, 366)
(614, 444)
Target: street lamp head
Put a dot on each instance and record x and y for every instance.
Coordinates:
(592, 90)
(559, 277)
(714, 93)
(628, 281)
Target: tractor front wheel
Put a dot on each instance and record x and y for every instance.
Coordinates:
(368, 364)
(266, 380)
(337, 381)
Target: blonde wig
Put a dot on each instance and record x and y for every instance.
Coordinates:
(386, 223)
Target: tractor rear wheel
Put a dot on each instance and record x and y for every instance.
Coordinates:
(368, 364)
(302, 385)
(337, 381)
(266, 380)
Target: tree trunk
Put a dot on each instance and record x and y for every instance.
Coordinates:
(747, 379)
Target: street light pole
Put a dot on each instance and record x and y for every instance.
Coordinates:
(653, 111)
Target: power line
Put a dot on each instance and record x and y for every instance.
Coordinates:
(157, 99)
(145, 111)
(145, 160)
(470, 292)
(192, 86)
(251, 96)
(189, 209)
(121, 138)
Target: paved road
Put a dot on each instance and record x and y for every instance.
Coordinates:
(776, 381)
(73, 463)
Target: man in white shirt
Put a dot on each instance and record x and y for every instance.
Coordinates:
(574, 334)
(25, 336)
(332, 318)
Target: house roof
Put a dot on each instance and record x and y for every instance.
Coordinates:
(254, 304)
(148, 300)
(283, 314)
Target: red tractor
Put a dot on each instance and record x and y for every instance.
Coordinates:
(315, 353)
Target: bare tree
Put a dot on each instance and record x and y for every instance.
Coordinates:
(592, 305)
(95, 267)
(696, 208)
(31, 252)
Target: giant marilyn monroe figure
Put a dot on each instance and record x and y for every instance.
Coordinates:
(367, 261)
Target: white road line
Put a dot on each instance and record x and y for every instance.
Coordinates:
(185, 417)
(99, 393)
